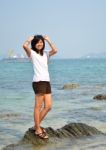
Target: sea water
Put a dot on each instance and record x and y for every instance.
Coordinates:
(73, 105)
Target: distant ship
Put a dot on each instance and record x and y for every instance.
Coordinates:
(12, 56)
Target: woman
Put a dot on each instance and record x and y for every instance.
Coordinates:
(41, 80)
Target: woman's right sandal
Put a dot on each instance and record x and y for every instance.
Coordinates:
(43, 130)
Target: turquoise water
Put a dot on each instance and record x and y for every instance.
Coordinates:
(77, 105)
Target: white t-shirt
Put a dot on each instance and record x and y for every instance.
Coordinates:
(40, 66)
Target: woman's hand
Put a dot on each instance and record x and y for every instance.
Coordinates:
(46, 38)
(30, 38)
(53, 48)
(26, 45)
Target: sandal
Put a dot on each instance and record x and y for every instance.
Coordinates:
(41, 135)
(43, 129)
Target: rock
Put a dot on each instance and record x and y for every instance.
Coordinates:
(71, 130)
(70, 86)
(100, 97)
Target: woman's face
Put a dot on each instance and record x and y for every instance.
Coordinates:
(39, 45)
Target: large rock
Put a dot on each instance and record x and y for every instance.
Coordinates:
(72, 130)
(70, 86)
(100, 97)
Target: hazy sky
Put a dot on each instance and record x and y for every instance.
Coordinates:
(77, 27)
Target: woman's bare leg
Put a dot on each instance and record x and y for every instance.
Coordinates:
(47, 106)
(38, 105)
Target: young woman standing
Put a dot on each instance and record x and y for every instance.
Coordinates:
(41, 79)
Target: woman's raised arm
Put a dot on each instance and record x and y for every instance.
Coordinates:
(53, 47)
(26, 45)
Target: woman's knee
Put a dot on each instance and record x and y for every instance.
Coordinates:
(48, 108)
(48, 102)
(38, 106)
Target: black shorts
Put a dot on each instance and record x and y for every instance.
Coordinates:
(41, 87)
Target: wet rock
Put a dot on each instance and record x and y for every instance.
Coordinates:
(71, 130)
(100, 97)
(70, 86)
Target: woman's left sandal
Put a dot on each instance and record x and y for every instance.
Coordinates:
(42, 135)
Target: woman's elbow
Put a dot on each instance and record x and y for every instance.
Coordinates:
(55, 51)
(24, 46)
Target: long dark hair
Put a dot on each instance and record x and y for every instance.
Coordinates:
(35, 40)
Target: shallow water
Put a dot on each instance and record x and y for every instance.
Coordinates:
(77, 105)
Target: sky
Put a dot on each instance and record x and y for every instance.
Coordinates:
(76, 27)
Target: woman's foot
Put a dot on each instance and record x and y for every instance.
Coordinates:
(43, 130)
(41, 135)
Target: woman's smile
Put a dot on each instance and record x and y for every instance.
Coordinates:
(39, 45)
